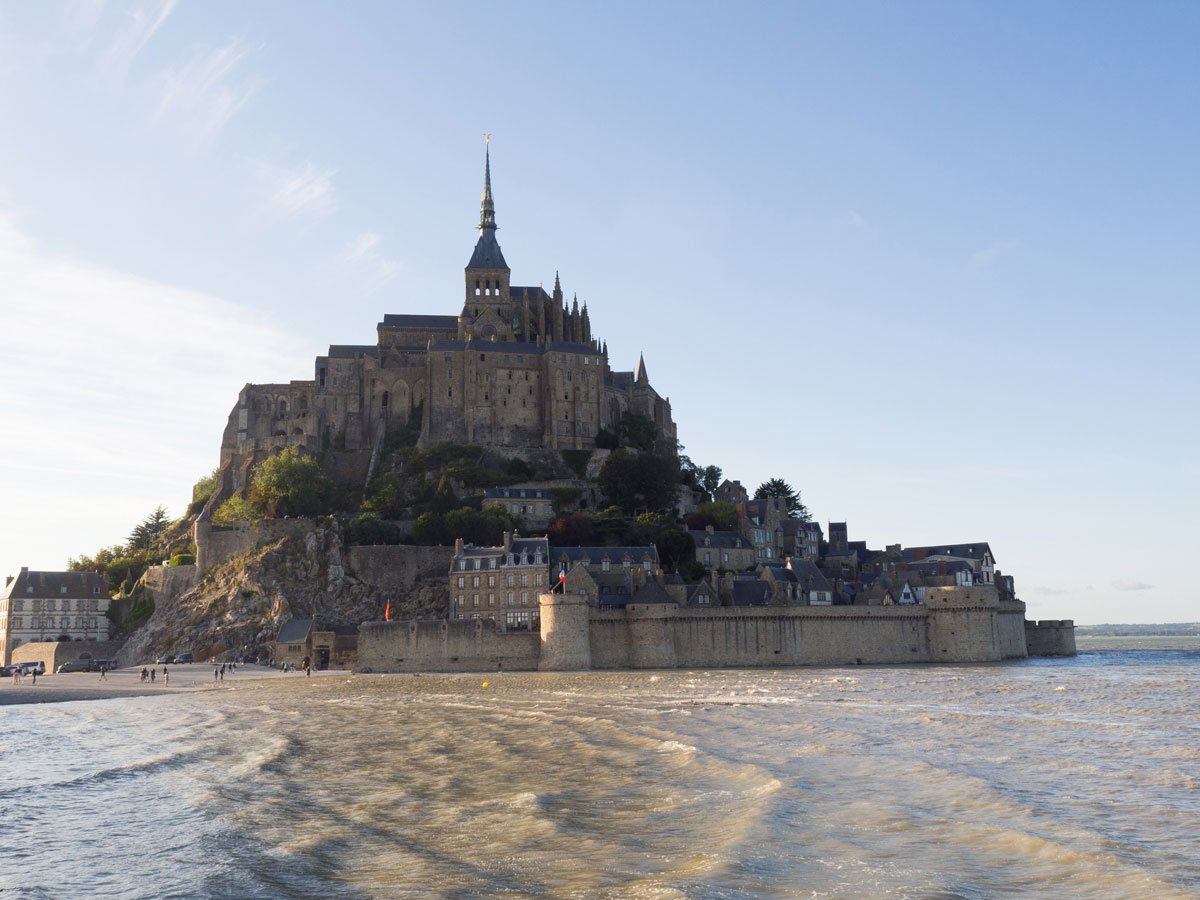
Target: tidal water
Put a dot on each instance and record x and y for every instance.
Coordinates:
(1042, 779)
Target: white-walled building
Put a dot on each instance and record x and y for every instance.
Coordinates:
(45, 606)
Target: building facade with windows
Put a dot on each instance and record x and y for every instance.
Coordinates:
(52, 606)
(500, 583)
(517, 370)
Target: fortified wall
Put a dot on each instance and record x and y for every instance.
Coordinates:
(53, 654)
(1050, 637)
(962, 625)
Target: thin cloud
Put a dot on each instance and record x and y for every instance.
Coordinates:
(133, 35)
(851, 219)
(362, 255)
(143, 378)
(988, 254)
(300, 190)
(1123, 585)
(201, 96)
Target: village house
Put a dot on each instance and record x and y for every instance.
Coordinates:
(500, 583)
(723, 549)
(302, 641)
(52, 606)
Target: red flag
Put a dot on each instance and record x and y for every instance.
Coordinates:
(387, 613)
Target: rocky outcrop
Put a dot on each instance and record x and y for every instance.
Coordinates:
(239, 605)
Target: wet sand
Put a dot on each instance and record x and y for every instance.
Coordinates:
(187, 678)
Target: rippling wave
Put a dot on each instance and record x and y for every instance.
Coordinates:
(1048, 779)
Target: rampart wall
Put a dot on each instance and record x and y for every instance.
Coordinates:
(964, 625)
(54, 653)
(444, 646)
(1050, 637)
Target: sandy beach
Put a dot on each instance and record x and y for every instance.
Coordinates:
(187, 678)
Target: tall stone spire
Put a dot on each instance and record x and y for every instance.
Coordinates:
(487, 208)
(641, 378)
(487, 255)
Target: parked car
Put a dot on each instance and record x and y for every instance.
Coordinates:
(107, 664)
(30, 668)
(165, 660)
(74, 665)
(184, 658)
(8, 671)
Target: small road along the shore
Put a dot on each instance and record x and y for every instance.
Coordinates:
(127, 683)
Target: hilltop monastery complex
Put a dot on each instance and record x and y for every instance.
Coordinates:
(517, 370)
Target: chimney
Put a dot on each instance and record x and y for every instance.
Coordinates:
(508, 539)
(458, 546)
(708, 528)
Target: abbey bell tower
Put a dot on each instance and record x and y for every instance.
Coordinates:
(486, 304)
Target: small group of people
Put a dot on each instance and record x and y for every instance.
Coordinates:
(220, 673)
(19, 675)
(148, 674)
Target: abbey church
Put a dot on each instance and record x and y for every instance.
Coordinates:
(516, 371)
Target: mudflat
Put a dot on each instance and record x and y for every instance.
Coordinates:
(187, 678)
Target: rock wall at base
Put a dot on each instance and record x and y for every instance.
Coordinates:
(398, 567)
(1050, 637)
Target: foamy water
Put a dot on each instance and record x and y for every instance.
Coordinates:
(1074, 778)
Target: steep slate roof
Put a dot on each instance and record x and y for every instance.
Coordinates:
(530, 546)
(596, 554)
(351, 351)
(750, 592)
(51, 584)
(964, 551)
(721, 539)
(404, 320)
(621, 380)
(652, 592)
(572, 347)
(488, 346)
(294, 631)
(809, 575)
(487, 253)
(518, 292)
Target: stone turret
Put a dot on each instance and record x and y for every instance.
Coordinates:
(566, 644)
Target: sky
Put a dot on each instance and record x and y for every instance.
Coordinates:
(934, 263)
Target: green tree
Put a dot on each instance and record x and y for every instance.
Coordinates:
(675, 548)
(570, 530)
(781, 490)
(722, 516)
(639, 482)
(290, 484)
(638, 430)
(236, 509)
(710, 479)
(149, 530)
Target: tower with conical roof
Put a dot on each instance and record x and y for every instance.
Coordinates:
(487, 274)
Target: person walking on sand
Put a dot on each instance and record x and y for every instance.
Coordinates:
(166, 677)
(152, 671)
(215, 673)
(103, 673)
(34, 673)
